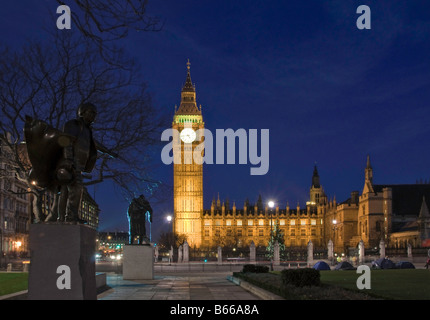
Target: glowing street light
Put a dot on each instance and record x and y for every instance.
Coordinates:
(169, 218)
(334, 231)
(271, 204)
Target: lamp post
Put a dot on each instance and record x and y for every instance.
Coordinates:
(334, 222)
(271, 204)
(169, 219)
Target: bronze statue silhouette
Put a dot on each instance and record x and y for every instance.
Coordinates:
(137, 214)
(58, 159)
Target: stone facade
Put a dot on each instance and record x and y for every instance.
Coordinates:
(382, 212)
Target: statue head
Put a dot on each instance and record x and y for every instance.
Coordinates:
(87, 112)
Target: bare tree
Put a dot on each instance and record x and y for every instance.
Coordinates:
(170, 239)
(48, 81)
(106, 21)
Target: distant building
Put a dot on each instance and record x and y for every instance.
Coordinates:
(89, 210)
(397, 214)
(112, 243)
(188, 176)
(14, 208)
(14, 216)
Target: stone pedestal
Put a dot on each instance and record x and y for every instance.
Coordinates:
(252, 252)
(219, 256)
(409, 251)
(180, 251)
(62, 263)
(330, 250)
(138, 262)
(382, 249)
(361, 251)
(186, 253)
(310, 258)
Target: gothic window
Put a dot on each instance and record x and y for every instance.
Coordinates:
(229, 232)
(378, 226)
(7, 185)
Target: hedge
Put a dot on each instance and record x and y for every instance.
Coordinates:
(301, 277)
(255, 268)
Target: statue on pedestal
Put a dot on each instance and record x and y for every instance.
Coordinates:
(138, 212)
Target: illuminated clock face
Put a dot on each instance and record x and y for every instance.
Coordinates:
(188, 135)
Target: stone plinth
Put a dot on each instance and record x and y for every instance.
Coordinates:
(138, 262)
(62, 263)
(252, 252)
(219, 256)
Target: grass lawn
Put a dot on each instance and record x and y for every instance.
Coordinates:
(11, 282)
(390, 284)
(403, 284)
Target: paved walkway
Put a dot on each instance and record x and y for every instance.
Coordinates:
(196, 286)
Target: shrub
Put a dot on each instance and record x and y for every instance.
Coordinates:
(255, 268)
(301, 277)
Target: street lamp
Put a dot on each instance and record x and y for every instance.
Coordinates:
(169, 218)
(271, 204)
(334, 232)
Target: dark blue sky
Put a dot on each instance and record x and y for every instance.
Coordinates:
(327, 91)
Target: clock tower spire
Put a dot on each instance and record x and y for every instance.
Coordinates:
(188, 104)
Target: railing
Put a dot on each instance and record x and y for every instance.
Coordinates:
(225, 266)
(197, 267)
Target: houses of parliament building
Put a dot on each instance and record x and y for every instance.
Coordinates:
(397, 214)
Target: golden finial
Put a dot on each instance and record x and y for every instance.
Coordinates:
(188, 65)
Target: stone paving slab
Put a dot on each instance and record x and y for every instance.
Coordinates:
(213, 286)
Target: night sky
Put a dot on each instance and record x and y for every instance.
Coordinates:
(329, 93)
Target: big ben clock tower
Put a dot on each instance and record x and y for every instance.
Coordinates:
(187, 173)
